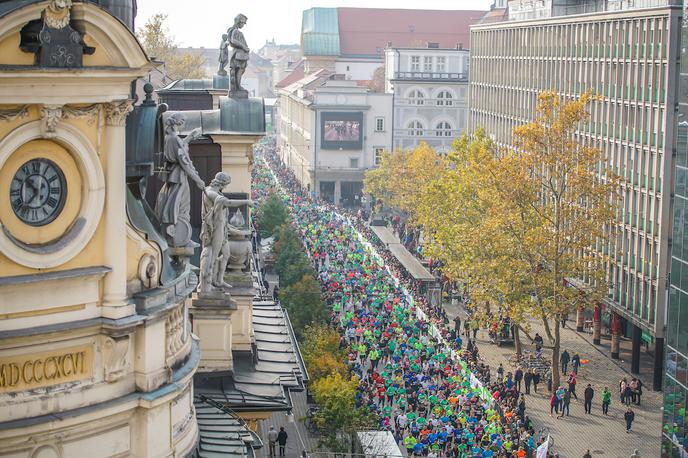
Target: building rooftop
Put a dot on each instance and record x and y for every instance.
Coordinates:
(263, 381)
(222, 433)
(296, 74)
(366, 32)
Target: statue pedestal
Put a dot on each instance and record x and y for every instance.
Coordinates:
(242, 123)
(240, 94)
(211, 315)
(243, 292)
(221, 82)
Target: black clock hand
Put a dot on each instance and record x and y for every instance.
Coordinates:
(33, 188)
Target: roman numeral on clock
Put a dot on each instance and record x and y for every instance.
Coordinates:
(52, 202)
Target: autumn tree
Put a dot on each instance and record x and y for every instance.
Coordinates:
(159, 44)
(321, 351)
(401, 175)
(338, 418)
(304, 303)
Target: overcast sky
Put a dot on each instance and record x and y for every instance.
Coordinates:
(202, 22)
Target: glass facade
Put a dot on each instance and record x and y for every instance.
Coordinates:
(675, 439)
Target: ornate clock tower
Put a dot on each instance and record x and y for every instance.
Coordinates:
(96, 356)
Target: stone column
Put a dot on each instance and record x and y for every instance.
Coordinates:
(115, 301)
(597, 324)
(580, 318)
(616, 330)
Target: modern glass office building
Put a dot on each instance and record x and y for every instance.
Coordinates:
(675, 442)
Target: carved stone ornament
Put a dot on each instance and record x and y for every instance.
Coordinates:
(116, 112)
(57, 14)
(50, 117)
(90, 111)
(10, 114)
(175, 335)
(115, 357)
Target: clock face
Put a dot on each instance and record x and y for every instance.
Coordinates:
(38, 192)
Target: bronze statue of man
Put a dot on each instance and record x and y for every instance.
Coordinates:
(240, 55)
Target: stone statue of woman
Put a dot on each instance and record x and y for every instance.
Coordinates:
(173, 206)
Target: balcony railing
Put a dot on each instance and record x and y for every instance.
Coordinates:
(428, 134)
(431, 76)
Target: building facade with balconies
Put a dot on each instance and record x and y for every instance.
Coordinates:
(430, 88)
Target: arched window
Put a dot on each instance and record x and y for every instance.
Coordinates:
(415, 128)
(443, 129)
(444, 98)
(416, 97)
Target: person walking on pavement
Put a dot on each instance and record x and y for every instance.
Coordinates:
(606, 400)
(518, 376)
(564, 359)
(575, 361)
(565, 404)
(636, 454)
(588, 394)
(527, 379)
(572, 384)
(282, 440)
(272, 440)
(536, 380)
(639, 391)
(538, 342)
(629, 416)
(587, 454)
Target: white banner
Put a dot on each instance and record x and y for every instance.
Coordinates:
(542, 449)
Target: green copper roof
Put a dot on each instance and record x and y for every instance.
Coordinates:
(320, 32)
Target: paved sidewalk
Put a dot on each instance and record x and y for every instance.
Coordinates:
(573, 435)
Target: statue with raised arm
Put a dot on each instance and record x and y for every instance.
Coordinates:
(173, 206)
(239, 59)
(214, 236)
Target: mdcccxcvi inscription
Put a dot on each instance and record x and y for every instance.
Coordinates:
(24, 372)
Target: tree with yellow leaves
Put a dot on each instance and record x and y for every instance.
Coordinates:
(159, 44)
(398, 180)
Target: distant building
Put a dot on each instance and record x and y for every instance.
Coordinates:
(352, 41)
(430, 87)
(330, 132)
(626, 53)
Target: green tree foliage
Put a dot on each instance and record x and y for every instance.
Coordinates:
(159, 44)
(292, 263)
(304, 304)
(271, 215)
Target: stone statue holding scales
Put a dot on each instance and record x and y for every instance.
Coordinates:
(215, 232)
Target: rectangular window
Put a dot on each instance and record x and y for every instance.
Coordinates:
(379, 124)
(441, 64)
(378, 155)
(353, 162)
(415, 63)
(427, 64)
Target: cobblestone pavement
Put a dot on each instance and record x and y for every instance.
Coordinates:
(573, 435)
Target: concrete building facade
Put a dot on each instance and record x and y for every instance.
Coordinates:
(628, 56)
(330, 133)
(430, 87)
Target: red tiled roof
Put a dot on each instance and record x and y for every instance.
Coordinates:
(363, 30)
(296, 74)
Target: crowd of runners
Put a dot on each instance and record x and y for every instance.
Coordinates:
(425, 382)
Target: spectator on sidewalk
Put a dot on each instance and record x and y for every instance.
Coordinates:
(500, 373)
(565, 404)
(518, 376)
(627, 393)
(587, 454)
(629, 416)
(282, 441)
(636, 454)
(572, 384)
(272, 440)
(564, 360)
(553, 404)
(588, 394)
(606, 400)
(527, 379)
(537, 340)
(536, 380)
(635, 390)
(576, 362)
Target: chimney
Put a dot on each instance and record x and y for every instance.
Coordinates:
(459, 46)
